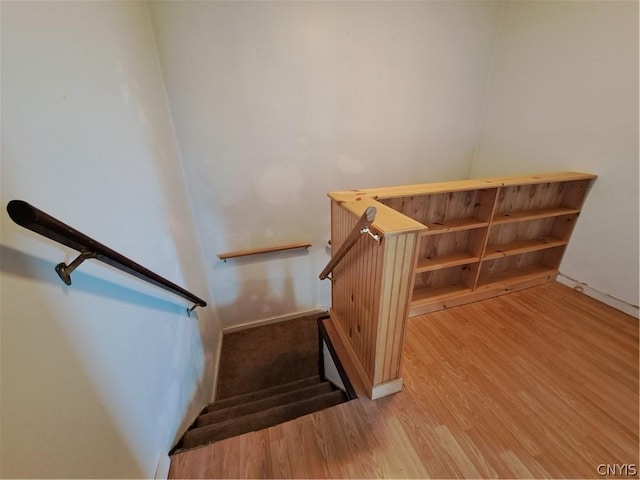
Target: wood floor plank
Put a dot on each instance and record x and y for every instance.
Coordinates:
(517, 467)
(541, 383)
(280, 458)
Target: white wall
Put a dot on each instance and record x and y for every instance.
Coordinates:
(563, 95)
(277, 103)
(96, 377)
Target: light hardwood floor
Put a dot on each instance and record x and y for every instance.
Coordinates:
(541, 383)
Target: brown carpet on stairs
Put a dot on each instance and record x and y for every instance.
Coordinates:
(268, 375)
(267, 356)
(261, 414)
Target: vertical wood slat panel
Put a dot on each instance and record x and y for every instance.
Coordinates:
(373, 286)
(356, 287)
(371, 295)
(386, 300)
(397, 285)
(402, 314)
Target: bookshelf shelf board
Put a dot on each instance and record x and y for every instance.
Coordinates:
(454, 226)
(525, 246)
(490, 281)
(532, 215)
(445, 261)
(435, 294)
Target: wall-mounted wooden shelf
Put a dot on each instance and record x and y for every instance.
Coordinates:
(258, 251)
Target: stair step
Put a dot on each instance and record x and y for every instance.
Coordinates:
(258, 394)
(262, 404)
(259, 420)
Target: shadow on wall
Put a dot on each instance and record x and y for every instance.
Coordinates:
(257, 287)
(28, 266)
(49, 402)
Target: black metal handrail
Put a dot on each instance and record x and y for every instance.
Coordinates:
(30, 217)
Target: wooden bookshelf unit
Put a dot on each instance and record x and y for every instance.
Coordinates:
(443, 245)
(488, 236)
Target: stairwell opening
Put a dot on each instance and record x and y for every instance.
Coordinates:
(269, 375)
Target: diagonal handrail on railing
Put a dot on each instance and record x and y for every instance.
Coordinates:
(30, 217)
(361, 228)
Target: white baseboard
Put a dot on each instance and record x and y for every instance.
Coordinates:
(162, 470)
(598, 295)
(387, 388)
(268, 321)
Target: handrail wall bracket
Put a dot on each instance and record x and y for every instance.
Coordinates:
(64, 271)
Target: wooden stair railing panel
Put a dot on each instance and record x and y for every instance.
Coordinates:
(355, 288)
(370, 295)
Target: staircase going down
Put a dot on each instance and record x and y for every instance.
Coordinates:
(269, 375)
(261, 409)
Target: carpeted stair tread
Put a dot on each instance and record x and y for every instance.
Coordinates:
(263, 404)
(260, 420)
(257, 395)
(268, 355)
